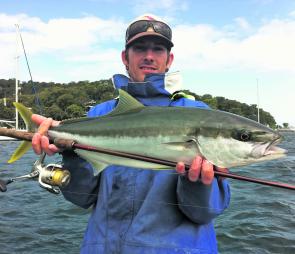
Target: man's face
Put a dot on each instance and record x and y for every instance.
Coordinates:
(144, 56)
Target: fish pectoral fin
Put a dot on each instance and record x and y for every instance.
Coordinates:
(183, 145)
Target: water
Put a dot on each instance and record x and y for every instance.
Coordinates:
(259, 220)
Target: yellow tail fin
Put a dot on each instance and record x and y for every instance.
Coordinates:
(25, 145)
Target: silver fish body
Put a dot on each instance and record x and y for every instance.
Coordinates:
(171, 133)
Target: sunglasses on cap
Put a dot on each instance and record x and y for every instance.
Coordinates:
(143, 25)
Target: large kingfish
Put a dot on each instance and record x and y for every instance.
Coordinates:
(169, 133)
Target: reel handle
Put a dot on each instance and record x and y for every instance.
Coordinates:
(3, 184)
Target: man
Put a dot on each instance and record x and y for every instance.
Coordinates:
(139, 210)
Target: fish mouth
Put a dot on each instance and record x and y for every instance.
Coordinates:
(269, 150)
(273, 150)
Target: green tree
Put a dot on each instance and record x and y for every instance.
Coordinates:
(237, 111)
(74, 111)
(7, 113)
(65, 100)
(73, 99)
(55, 112)
(211, 101)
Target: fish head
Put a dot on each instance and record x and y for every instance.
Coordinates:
(233, 141)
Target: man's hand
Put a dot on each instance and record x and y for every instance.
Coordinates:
(199, 169)
(40, 141)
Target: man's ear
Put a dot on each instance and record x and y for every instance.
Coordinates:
(169, 60)
(124, 57)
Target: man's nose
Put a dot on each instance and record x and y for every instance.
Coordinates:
(149, 54)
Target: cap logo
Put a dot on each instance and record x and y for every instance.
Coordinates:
(150, 29)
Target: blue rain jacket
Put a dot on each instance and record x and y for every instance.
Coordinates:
(145, 211)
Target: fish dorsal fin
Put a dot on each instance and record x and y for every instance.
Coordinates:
(126, 104)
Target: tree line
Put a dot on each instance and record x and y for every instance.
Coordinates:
(69, 100)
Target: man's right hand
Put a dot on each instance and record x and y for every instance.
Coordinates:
(40, 141)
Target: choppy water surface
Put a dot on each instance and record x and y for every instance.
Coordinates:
(260, 219)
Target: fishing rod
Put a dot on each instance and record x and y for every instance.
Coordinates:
(72, 145)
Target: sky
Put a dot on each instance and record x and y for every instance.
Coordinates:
(239, 49)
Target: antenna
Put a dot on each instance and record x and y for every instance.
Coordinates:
(18, 30)
(34, 89)
(16, 78)
(258, 115)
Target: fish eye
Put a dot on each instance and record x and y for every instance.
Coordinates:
(244, 135)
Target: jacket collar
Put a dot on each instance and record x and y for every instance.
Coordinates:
(155, 90)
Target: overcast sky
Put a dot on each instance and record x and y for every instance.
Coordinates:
(222, 47)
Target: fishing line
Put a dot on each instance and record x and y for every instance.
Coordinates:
(287, 166)
(149, 199)
(168, 172)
